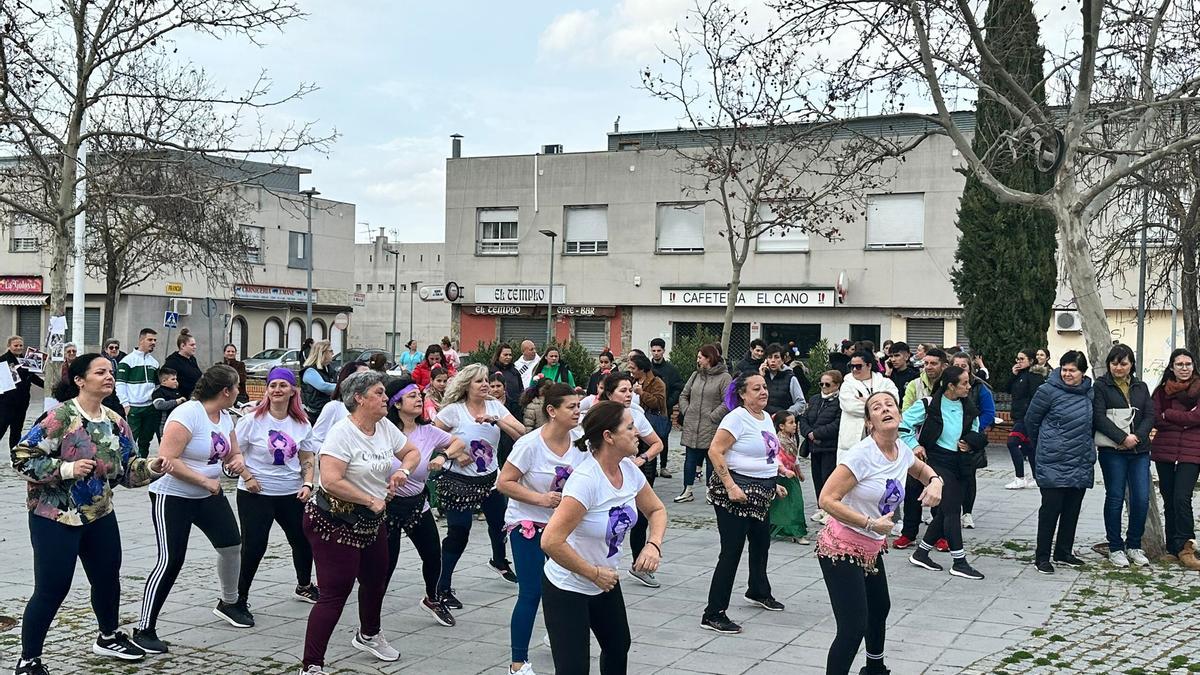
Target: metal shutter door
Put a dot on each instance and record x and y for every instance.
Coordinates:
(592, 334)
(514, 331)
(961, 335)
(29, 325)
(91, 326)
(930, 331)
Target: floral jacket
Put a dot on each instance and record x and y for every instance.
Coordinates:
(64, 435)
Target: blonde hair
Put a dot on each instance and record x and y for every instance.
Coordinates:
(456, 389)
(315, 352)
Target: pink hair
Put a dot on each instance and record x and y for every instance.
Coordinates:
(295, 410)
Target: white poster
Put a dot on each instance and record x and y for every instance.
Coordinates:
(56, 338)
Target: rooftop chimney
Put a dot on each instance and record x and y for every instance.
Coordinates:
(455, 146)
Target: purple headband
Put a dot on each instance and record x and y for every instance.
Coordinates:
(400, 394)
(281, 373)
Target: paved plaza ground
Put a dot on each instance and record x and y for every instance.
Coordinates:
(1098, 620)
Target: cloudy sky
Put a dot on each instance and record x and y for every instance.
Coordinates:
(397, 78)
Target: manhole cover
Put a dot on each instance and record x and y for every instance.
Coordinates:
(7, 622)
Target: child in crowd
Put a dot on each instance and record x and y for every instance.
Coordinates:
(166, 396)
(787, 513)
(434, 392)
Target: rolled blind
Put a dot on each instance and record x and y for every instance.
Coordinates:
(681, 227)
(498, 216)
(587, 223)
(896, 220)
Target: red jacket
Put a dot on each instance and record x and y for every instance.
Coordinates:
(1177, 426)
(420, 374)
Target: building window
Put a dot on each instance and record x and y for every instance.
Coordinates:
(29, 325)
(358, 288)
(254, 244)
(318, 330)
(515, 329)
(91, 327)
(866, 331)
(586, 230)
(295, 334)
(681, 228)
(237, 335)
(497, 232)
(628, 145)
(780, 238)
(927, 331)
(592, 334)
(22, 234)
(272, 334)
(896, 221)
(298, 250)
(393, 287)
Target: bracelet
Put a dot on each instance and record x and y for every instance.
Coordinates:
(656, 546)
(307, 485)
(867, 526)
(937, 477)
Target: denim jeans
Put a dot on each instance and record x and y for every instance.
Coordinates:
(1122, 471)
(528, 560)
(692, 459)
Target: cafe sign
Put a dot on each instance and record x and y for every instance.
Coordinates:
(518, 295)
(749, 297)
(20, 284)
(276, 293)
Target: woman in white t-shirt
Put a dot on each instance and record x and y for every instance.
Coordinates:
(277, 482)
(344, 519)
(408, 511)
(533, 479)
(199, 440)
(468, 484)
(745, 460)
(860, 497)
(581, 592)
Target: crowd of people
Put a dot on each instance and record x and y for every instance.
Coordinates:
(352, 462)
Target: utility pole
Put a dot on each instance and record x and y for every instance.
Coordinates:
(308, 257)
(395, 347)
(412, 290)
(550, 288)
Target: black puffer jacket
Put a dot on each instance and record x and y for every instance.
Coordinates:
(822, 418)
(1021, 387)
(1107, 396)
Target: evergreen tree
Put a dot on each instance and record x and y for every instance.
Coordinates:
(1006, 276)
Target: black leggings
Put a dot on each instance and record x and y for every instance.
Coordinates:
(823, 464)
(947, 522)
(56, 547)
(735, 533)
(569, 618)
(912, 507)
(424, 536)
(173, 518)
(256, 513)
(458, 531)
(637, 533)
(860, 606)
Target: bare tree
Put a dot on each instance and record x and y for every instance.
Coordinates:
(73, 73)
(767, 159)
(1130, 62)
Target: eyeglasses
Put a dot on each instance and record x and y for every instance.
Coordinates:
(857, 366)
(827, 385)
(113, 347)
(1185, 365)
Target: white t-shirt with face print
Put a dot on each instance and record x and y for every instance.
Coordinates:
(204, 452)
(271, 450)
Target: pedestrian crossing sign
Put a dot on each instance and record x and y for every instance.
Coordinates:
(170, 319)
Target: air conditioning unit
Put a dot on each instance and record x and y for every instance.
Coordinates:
(181, 306)
(555, 149)
(1067, 321)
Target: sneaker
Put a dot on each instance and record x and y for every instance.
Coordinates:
(313, 670)
(866, 670)
(1070, 560)
(1137, 557)
(663, 473)
(768, 603)
(942, 545)
(898, 529)
(721, 624)
(647, 578)
(685, 496)
(504, 569)
(1018, 483)
(526, 669)
(1118, 559)
(148, 641)
(236, 613)
(118, 646)
(1030, 482)
(308, 593)
(818, 517)
(968, 521)
(31, 667)
(376, 645)
(962, 568)
(1044, 567)
(902, 542)
(439, 611)
(920, 558)
(449, 601)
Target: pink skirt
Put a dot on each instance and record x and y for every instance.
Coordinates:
(838, 542)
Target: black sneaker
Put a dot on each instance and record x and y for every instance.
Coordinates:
(1044, 567)
(768, 603)
(31, 667)
(866, 670)
(118, 646)
(439, 611)
(1070, 560)
(236, 613)
(504, 569)
(449, 600)
(962, 568)
(308, 593)
(920, 558)
(721, 624)
(148, 641)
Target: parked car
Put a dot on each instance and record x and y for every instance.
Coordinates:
(261, 363)
(363, 354)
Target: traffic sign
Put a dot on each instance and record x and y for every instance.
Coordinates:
(170, 319)
(341, 321)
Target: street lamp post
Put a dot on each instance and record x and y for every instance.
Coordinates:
(412, 289)
(550, 288)
(395, 293)
(308, 256)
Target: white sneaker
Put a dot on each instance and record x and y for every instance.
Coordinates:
(1030, 482)
(968, 521)
(1118, 559)
(313, 670)
(376, 645)
(526, 669)
(1137, 557)
(1017, 483)
(898, 528)
(818, 516)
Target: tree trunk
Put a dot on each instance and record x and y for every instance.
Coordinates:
(1189, 283)
(735, 282)
(111, 293)
(1077, 259)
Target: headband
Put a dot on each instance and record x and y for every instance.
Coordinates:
(281, 373)
(400, 394)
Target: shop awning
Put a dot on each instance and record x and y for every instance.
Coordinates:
(22, 299)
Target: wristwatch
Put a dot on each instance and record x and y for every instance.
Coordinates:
(308, 485)
(406, 472)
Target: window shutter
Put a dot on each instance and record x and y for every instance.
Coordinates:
(592, 334)
(896, 220)
(929, 331)
(681, 227)
(779, 238)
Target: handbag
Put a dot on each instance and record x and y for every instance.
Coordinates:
(1123, 418)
